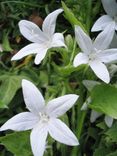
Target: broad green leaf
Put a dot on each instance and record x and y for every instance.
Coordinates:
(104, 99)
(8, 88)
(17, 143)
(112, 134)
(101, 151)
(71, 17)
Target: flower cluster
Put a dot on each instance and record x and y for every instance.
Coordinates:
(42, 117)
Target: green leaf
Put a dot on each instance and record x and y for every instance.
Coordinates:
(71, 17)
(8, 88)
(112, 134)
(104, 99)
(101, 151)
(6, 44)
(113, 154)
(17, 143)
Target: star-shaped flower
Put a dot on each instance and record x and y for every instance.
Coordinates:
(95, 53)
(42, 39)
(43, 119)
(111, 18)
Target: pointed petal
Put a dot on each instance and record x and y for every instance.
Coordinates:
(32, 32)
(29, 49)
(21, 122)
(40, 56)
(110, 7)
(38, 139)
(104, 39)
(61, 105)
(101, 23)
(60, 132)
(32, 96)
(100, 70)
(108, 121)
(83, 40)
(50, 22)
(108, 56)
(58, 40)
(94, 116)
(80, 59)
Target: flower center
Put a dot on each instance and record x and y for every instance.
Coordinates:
(92, 56)
(43, 117)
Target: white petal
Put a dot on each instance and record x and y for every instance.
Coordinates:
(110, 6)
(104, 39)
(40, 56)
(38, 139)
(21, 122)
(29, 49)
(58, 40)
(100, 70)
(60, 132)
(83, 40)
(108, 121)
(32, 32)
(80, 59)
(32, 96)
(94, 116)
(50, 22)
(108, 56)
(101, 23)
(60, 105)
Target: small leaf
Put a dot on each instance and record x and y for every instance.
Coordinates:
(8, 88)
(6, 45)
(17, 143)
(70, 17)
(112, 133)
(104, 99)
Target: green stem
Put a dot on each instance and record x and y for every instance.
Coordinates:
(89, 12)
(73, 53)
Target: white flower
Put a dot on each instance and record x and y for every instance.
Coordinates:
(42, 119)
(111, 18)
(95, 53)
(42, 40)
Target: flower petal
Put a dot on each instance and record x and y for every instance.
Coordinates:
(50, 22)
(38, 139)
(104, 39)
(27, 50)
(94, 116)
(21, 122)
(58, 40)
(101, 23)
(40, 56)
(108, 56)
(80, 59)
(60, 105)
(100, 70)
(32, 32)
(32, 96)
(60, 132)
(83, 40)
(110, 7)
(108, 121)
